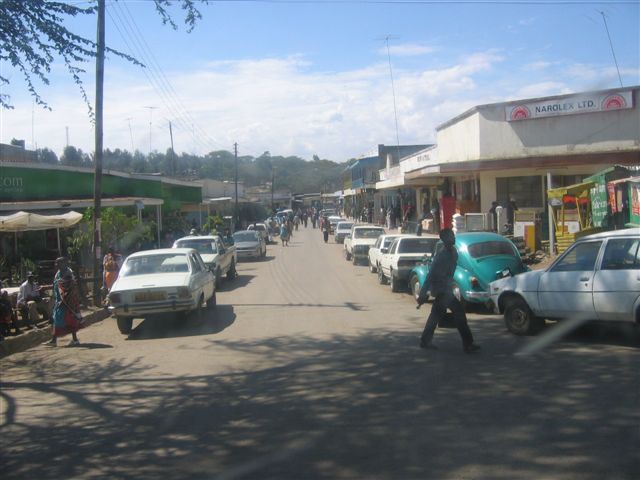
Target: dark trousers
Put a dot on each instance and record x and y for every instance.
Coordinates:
(325, 234)
(438, 311)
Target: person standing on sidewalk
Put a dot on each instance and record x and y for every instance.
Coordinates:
(66, 311)
(439, 282)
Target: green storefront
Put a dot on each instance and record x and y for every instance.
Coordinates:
(32, 183)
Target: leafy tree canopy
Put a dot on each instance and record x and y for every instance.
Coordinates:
(33, 34)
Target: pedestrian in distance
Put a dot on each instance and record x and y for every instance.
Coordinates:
(324, 225)
(439, 283)
(284, 235)
(111, 264)
(66, 311)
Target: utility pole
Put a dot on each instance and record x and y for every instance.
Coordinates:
(130, 133)
(235, 210)
(67, 133)
(97, 184)
(273, 182)
(151, 109)
(173, 153)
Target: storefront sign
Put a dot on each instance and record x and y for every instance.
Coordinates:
(570, 106)
(10, 185)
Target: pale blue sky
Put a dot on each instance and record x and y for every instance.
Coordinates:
(313, 78)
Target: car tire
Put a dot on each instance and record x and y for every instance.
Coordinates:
(372, 269)
(347, 255)
(232, 273)
(382, 280)
(394, 283)
(218, 276)
(414, 284)
(125, 324)
(519, 319)
(197, 313)
(354, 259)
(212, 302)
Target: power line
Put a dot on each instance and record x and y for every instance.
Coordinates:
(615, 60)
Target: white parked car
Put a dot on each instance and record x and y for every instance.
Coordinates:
(359, 240)
(168, 280)
(333, 222)
(263, 230)
(597, 278)
(218, 256)
(341, 231)
(249, 244)
(405, 253)
(375, 252)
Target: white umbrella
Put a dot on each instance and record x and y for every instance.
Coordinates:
(25, 221)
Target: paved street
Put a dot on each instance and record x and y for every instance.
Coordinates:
(310, 369)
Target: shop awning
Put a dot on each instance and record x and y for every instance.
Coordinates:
(25, 221)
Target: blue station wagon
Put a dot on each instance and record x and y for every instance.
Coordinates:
(482, 258)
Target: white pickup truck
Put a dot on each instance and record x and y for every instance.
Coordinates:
(359, 240)
(404, 253)
(218, 256)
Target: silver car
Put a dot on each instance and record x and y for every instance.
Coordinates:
(249, 244)
(597, 278)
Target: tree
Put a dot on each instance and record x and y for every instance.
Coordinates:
(47, 156)
(74, 156)
(33, 36)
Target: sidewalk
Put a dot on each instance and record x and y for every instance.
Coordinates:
(30, 338)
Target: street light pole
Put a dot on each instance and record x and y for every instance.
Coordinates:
(235, 210)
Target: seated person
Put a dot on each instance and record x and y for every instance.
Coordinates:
(30, 301)
(7, 320)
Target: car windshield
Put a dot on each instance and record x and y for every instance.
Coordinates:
(367, 232)
(417, 245)
(154, 264)
(485, 249)
(245, 237)
(344, 226)
(204, 246)
(257, 227)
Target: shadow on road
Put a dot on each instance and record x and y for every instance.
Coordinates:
(171, 326)
(373, 406)
(241, 280)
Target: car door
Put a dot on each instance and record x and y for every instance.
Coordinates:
(566, 289)
(223, 256)
(388, 257)
(198, 275)
(374, 250)
(616, 285)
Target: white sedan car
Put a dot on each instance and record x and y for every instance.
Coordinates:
(597, 278)
(152, 282)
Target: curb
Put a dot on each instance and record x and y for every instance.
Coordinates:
(32, 338)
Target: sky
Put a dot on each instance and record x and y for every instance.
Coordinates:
(316, 78)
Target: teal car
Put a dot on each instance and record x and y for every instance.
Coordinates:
(482, 258)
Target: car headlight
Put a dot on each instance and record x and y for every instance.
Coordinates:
(183, 292)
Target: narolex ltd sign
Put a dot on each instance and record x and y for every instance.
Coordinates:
(586, 103)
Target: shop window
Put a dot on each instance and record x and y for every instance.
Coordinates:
(526, 191)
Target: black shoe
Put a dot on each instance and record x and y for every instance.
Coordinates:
(472, 348)
(427, 345)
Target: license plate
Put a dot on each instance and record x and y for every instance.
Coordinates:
(149, 296)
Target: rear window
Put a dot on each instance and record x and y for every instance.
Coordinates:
(485, 249)
(344, 226)
(155, 264)
(367, 232)
(204, 247)
(417, 245)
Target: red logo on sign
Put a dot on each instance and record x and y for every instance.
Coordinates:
(520, 113)
(613, 102)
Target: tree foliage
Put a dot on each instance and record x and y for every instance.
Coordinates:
(33, 35)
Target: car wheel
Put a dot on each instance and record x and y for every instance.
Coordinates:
(354, 259)
(381, 278)
(124, 324)
(197, 313)
(347, 255)
(212, 302)
(394, 282)
(372, 269)
(231, 273)
(414, 283)
(218, 278)
(519, 318)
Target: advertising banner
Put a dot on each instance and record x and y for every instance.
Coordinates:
(587, 103)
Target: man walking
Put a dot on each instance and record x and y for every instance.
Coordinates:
(439, 282)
